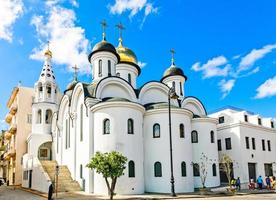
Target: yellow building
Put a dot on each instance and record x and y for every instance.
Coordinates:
(2, 161)
(19, 119)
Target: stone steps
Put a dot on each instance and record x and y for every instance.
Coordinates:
(65, 181)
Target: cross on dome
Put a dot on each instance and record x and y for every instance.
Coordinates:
(104, 25)
(48, 53)
(76, 69)
(172, 52)
(120, 28)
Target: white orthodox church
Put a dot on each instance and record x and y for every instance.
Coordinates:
(112, 113)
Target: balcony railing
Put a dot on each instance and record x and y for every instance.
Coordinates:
(9, 153)
(8, 118)
(13, 128)
(7, 135)
(13, 109)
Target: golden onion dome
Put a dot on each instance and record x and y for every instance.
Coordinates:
(126, 54)
(48, 53)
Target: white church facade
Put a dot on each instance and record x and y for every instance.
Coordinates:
(112, 113)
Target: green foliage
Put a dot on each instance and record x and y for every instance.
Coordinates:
(226, 166)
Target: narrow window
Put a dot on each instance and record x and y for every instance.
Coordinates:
(194, 137)
(181, 131)
(221, 120)
(106, 126)
(212, 136)
(259, 121)
(109, 68)
(219, 145)
(268, 145)
(81, 171)
(40, 90)
(253, 143)
(156, 131)
(57, 141)
(131, 169)
(196, 169)
(272, 124)
(81, 122)
(49, 91)
(38, 121)
(183, 169)
(130, 126)
(100, 67)
(247, 142)
(129, 78)
(245, 118)
(263, 145)
(228, 143)
(157, 169)
(173, 85)
(29, 118)
(180, 87)
(48, 117)
(66, 134)
(214, 169)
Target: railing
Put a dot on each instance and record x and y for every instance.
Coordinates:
(13, 128)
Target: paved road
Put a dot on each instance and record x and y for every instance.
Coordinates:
(10, 194)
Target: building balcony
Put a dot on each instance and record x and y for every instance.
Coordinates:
(9, 154)
(13, 109)
(13, 128)
(8, 118)
(7, 135)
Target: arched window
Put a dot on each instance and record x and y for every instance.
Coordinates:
(106, 126)
(194, 137)
(196, 169)
(80, 171)
(100, 68)
(38, 119)
(212, 136)
(40, 90)
(130, 127)
(81, 122)
(157, 169)
(181, 89)
(214, 168)
(181, 131)
(156, 131)
(131, 169)
(48, 117)
(183, 169)
(49, 91)
(129, 78)
(173, 85)
(109, 67)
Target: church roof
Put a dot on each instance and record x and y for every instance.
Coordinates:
(173, 71)
(160, 105)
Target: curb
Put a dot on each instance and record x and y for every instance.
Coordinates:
(33, 192)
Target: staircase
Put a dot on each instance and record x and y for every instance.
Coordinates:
(65, 181)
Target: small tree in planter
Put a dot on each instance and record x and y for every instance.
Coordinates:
(111, 166)
(204, 163)
(226, 165)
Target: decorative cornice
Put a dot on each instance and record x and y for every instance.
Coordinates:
(232, 125)
(173, 110)
(104, 105)
(205, 119)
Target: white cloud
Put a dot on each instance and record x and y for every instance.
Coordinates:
(67, 41)
(267, 89)
(141, 64)
(226, 86)
(213, 67)
(10, 11)
(256, 54)
(133, 6)
(3, 125)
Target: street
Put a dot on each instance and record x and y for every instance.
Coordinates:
(7, 193)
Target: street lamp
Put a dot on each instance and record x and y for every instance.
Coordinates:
(171, 95)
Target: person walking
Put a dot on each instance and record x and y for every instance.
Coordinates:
(268, 183)
(260, 182)
(238, 184)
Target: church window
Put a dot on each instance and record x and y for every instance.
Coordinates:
(259, 121)
(196, 169)
(100, 67)
(180, 87)
(212, 136)
(131, 169)
(49, 90)
(219, 145)
(228, 144)
(156, 131)
(48, 117)
(214, 169)
(221, 120)
(130, 126)
(183, 169)
(181, 131)
(194, 137)
(173, 85)
(106, 126)
(40, 89)
(109, 67)
(81, 171)
(157, 169)
(129, 78)
(38, 121)
(81, 122)
(268, 145)
(67, 134)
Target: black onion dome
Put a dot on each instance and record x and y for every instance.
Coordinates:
(173, 71)
(104, 46)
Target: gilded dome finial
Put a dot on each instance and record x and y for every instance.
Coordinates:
(48, 52)
(104, 25)
(120, 28)
(172, 52)
(76, 69)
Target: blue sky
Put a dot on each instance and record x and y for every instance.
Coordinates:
(226, 48)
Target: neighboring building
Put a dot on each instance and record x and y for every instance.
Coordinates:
(249, 140)
(19, 120)
(2, 160)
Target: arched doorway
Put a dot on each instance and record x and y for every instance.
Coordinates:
(45, 151)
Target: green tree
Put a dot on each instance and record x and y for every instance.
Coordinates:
(111, 166)
(226, 165)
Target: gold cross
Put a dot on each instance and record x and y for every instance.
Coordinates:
(76, 69)
(104, 25)
(172, 52)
